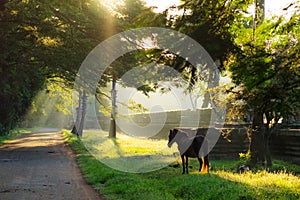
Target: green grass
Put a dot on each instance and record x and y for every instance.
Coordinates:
(282, 181)
(13, 134)
(129, 153)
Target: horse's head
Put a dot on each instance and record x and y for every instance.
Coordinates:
(171, 137)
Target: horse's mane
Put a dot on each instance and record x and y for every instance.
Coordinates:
(183, 140)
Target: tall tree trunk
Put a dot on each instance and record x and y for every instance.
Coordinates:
(83, 112)
(257, 145)
(112, 129)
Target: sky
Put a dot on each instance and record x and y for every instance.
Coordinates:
(273, 7)
(162, 4)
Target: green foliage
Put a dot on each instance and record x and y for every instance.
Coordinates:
(265, 69)
(261, 67)
(50, 107)
(245, 157)
(61, 94)
(43, 40)
(168, 183)
(210, 23)
(136, 107)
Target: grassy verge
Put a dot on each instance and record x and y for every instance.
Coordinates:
(13, 134)
(168, 183)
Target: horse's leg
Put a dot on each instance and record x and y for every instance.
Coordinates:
(206, 164)
(200, 163)
(183, 164)
(187, 164)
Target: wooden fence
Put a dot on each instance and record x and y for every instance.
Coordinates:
(285, 145)
(164, 121)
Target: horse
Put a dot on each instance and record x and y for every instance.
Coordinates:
(190, 147)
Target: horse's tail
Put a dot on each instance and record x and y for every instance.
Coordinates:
(205, 165)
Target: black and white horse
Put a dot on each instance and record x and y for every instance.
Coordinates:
(195, 146)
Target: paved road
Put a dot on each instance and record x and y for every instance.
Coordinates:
(41, 166)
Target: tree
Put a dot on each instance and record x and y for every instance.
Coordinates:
(49, 40)
(260, 70)
(50, 107)
(18, 85)
(43, 41)
(132, 14)
(210, 24)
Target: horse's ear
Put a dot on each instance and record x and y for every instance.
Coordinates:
(171, 131)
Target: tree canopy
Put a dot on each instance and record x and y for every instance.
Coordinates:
(43, 40)
(48, 40)
(266, 70)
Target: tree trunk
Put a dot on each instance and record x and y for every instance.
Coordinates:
(258, 141)
(112, 128)
(83, 112)
(257, 147)
(267, 139)
(78, 115)
(206, 100)
(74, 129)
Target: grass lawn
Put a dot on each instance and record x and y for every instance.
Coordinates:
(280, 182)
